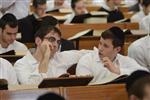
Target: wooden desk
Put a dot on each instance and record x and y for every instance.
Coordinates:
(103, 92)
(69, 30)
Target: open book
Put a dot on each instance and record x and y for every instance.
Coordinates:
(112, 79)
(82, 33)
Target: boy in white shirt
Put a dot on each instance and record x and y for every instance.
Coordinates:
(8, 33)
(106, 60)
(7, 72)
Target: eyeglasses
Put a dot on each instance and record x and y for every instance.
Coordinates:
(53, 39)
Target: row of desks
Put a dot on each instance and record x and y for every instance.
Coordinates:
(101, 92)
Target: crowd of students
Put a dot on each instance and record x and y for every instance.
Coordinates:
(53, 55)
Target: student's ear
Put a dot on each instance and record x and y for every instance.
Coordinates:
(133, 97)
(118, 49)
(38, 41)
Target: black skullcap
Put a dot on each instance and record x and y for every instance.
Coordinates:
(50, 96)
(117, 32)
(49, 21)
(134, 77)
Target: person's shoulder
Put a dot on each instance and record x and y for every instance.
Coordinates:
(5, 62)
(138, 43)
(123, 58)
(19, 45)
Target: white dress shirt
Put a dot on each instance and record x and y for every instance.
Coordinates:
(17, 46)
(20, 8)
(140, 51)
(7, 72)
(91, 64)
(145, 23)
(138, 16)
(28, 72)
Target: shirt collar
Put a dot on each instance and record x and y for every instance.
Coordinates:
(96, 54)
(97, 58)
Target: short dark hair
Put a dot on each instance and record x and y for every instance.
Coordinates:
(137, 82)
(49, 20)
(8, 19)
(38, 2)
(73, 3)
(116, 34)
(50, 96)
(146, 3)
(44, 30)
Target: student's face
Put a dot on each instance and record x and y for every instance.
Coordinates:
(80, 7)
(54, 39)
(117, 2)
(59, 2)
(41, 10)
(147, 10)
(106, 48)
(9, 34)
(147, 93)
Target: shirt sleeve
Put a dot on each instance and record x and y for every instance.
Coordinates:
(137, 53)
(83, 66)
(130, 66)
(28, 74)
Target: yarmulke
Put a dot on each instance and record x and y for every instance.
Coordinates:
(117, 32)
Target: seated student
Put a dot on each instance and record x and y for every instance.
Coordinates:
(111, 7)
(79, 8)
(30, 24)
(138, 86)
(8, 32)
(7, 72)
(145, 11)
(140, 51)
(53, 5)
(45, 60)
(106, 60)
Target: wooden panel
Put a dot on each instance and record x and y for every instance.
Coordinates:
(25, 94)
(103, 92)
(71, 29)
